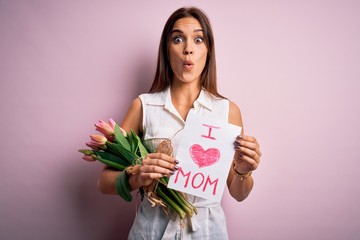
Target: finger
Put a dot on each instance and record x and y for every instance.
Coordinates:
(254, 164)
(155, 175)
(151, 163)
(162, 156)
(148, 178)
(248, 152)
(250, 146)
(162, 160)
(246, 144)
(247, 138)
(157, 170)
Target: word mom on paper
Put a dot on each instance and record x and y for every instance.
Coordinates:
(205, 154)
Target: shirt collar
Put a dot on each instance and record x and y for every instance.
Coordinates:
(164, 99)
(204, 100)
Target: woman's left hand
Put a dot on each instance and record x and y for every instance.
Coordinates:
(247, 154)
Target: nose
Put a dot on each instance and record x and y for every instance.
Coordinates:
(188, 50)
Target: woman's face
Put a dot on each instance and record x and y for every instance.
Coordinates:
(187, 50)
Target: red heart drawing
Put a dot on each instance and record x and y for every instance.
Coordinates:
(204, 158)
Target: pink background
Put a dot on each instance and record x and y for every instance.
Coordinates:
(293, 67)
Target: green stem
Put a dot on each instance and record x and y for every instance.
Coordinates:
(180, 202)
(111, 163)
(185, 202)
(172, 204)
(179, 197)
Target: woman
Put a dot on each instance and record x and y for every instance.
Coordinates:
(185, 80)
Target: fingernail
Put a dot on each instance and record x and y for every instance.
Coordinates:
(239, 137)
(171, 173)
(176, 161)
(176, 167)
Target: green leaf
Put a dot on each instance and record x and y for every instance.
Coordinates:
(110, 163)
(111, 157)
(120, 151)
(142, 151)
(121, 139)
(123, 188)
(133, 141)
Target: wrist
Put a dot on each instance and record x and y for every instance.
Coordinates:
(240, 175)
(135, 181)
(133, 176)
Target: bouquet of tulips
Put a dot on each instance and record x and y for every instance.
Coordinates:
(124, 151)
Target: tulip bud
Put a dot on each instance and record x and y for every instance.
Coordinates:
(89, 158)
(105, 128)
(101, 140)
(86, 151)
(112, 123)
(97, 141)
(92, 146)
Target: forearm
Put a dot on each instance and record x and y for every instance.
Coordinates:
(240, 189)
(107, 181)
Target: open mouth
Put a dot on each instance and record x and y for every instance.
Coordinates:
(188, 64)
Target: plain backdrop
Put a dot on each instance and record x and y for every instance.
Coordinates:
(293, 67)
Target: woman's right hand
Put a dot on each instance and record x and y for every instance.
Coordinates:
(156, 166)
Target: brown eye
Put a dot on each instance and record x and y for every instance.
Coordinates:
(199, 40)
(178, 39)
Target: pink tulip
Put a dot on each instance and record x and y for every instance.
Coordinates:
(97, 141)
(112, 123)
(106, 128)
(92, 146)
(89, 158)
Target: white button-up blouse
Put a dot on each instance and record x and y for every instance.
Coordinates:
(162, 121)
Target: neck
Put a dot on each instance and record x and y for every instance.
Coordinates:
(185, 93)
(183, 97)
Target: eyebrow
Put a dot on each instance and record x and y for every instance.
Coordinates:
(179, 31)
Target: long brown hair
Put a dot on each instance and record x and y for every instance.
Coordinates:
(164, 74)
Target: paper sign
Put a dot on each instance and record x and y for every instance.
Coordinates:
(205, 154)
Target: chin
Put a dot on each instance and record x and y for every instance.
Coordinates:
(189, 79)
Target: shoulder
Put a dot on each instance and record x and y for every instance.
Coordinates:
(133, 117)
(136, 105)
(235, 114)
(153, 98)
